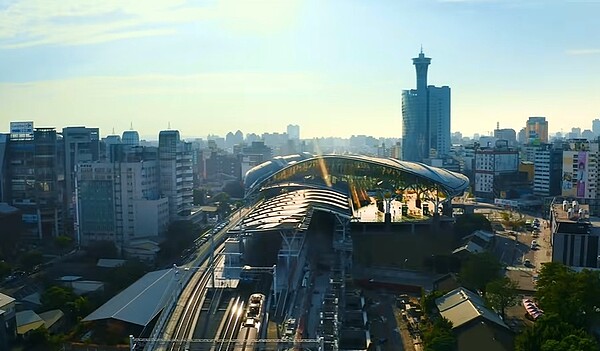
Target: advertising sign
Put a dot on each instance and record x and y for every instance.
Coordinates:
(581, 173)
(568, 178)
(21, 130)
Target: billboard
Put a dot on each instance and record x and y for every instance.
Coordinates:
(567, 174)
(21, 130)
(581, 173)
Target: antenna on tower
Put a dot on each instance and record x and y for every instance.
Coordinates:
(497, 125)
(169, 125)
(421, 48)
(113, 130)
(131, 125)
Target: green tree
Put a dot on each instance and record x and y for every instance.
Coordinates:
(123, 276)
(199, 196)
(31, 259)
(501, 293)
(5, 269)
(551, 331)
(63, 242)
(102, 249)
(180, 235)
(439, 336)
(574, 296)
(40, 340)
(468, 223)
(571, 343)
(56, 297)
(478, 270)
(79, 307)
(428, 300)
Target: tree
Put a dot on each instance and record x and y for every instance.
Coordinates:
(570, 343)
(428, 300)
(478, 270)
(123, 276)
(40, 340)
(574, 296)
(199, 196)
(468, 223)
(439, 336)
(63, 242)
(180, 235)
(31, 259)
(102, 249)
(501, 293)
(56, 297)
(5, 269)
(551, 333)
(79, 307)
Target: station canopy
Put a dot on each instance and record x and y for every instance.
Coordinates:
(286, 190)
(347, 173)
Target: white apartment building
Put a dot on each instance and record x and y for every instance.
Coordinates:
(489, 163)
(120, 202)
(176, 173)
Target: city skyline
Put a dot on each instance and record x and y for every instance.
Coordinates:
(213, 67)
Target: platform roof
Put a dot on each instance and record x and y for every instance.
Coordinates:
(140, 302)
(293, 210)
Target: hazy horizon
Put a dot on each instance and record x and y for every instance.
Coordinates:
(335, 68)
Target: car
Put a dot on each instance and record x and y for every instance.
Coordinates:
(534, 243)
(527, 263)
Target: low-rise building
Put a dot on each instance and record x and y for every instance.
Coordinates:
(8, 325)
(475, 326)
(575, 235)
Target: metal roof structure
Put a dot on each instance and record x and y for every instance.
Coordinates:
(293, 210)
(140, 302)
(279, 168)
(461, 306)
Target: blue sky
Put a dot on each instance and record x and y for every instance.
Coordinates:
(336, 68)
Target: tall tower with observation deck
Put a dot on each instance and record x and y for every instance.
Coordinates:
(425, 117)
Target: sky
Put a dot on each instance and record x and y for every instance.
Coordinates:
(336, 67)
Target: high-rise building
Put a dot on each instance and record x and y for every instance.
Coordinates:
(33, 179)
(596, 127)
(293, 131)
(507, 134)
(491, 166)
(536, 130)
(547, 170)
(119, 200)
(425, 117)
(176, 174)
(131, 137)
(81, 145)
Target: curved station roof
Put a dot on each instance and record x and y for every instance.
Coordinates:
(344, 166)
(291, 187)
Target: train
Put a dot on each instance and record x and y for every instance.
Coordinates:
(248, 333)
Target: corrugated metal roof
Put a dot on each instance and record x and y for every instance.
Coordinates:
(292, 210)
(5, 300)
(461, 306)
(140, 302)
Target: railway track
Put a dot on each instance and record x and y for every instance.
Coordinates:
(227, 334)
(187, 320)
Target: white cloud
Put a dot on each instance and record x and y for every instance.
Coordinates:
(579, 52)
(76, 22)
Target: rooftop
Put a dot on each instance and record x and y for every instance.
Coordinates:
(140, 302)
(5, 300)
(461, 306)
